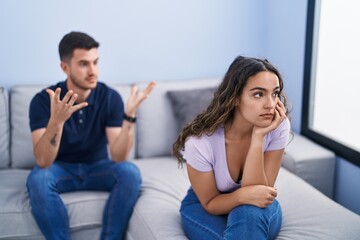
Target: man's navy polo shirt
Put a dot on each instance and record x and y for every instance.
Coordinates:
(84, 137)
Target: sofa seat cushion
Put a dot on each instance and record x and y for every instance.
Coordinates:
(156, 213)
(85, 208)
(307, 213)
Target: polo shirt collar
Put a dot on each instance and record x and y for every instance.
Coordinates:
(90, 100)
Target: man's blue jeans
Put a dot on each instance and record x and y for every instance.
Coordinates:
(243, 222)
(122, 180)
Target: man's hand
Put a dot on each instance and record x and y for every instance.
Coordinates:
(61, 110)
(137, 97)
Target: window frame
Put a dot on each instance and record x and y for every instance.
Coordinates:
(341, 150)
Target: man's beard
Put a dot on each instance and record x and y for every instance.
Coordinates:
(78, 82)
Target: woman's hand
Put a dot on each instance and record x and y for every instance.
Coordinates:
(279, 116)
(137, 97)
(259, 195)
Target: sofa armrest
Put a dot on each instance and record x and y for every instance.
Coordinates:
(311, 162)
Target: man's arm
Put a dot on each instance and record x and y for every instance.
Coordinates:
(121, 139)
(46, 141)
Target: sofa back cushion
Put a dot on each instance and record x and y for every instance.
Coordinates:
(157, 127)
(4, 129)
(21, 143)
(187, 104)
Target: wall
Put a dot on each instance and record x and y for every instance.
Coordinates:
(140, 40)
(347, 191)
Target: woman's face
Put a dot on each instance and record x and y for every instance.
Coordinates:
(257, 102)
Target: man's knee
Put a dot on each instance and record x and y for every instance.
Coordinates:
(129, 171)
(39, 178)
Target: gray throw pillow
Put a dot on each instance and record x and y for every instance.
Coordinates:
(187, 104)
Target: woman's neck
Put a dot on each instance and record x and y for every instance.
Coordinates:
(238, 129)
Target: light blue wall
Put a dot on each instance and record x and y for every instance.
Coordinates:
(347, 191)
(285, 43)
(160, 40)
(140, 40)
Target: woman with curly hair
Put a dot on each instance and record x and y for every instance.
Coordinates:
(233, 152)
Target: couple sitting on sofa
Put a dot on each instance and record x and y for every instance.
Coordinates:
(233, 149)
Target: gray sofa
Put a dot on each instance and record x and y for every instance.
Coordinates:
(305, 181)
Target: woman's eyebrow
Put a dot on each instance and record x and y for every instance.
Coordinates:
(263, 89)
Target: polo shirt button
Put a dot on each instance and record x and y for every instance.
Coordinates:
(80, 121)
(80, 112)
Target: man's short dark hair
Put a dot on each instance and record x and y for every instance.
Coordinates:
(74, 40)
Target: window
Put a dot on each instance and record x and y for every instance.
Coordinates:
(331, 98)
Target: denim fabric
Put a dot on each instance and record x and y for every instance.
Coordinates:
(243, 222)
(122, 180)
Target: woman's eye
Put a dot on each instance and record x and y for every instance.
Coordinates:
(258, 95)
(276, 94)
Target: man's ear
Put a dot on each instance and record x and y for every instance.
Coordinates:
(65, 67)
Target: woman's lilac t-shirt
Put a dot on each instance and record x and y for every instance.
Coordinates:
(207, 153)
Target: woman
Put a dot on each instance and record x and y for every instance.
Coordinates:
(233, 152)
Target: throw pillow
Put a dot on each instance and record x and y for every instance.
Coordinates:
(187, 104)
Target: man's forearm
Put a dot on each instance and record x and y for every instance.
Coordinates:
(124, 142)
(47, 148)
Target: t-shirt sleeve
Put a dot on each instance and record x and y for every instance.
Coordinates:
(278, 138)
(198, 153)
(115, 109)
(39, 111)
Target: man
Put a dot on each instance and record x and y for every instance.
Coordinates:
(72, 124)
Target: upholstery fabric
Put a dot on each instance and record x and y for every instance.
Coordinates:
(4, 129)
(85, 208)
(187, 104)
(157, 129)
(21, 143)
(307, 213)
(316, 165)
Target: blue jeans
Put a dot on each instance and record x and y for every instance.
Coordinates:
(243, 222)
(122, 180)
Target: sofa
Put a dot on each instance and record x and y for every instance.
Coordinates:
(305, 183)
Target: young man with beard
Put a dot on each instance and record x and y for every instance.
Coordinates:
(72, 124)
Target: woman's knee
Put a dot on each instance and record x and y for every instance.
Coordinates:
(256, 215)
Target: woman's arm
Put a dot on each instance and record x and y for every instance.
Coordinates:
(214, 202)
(263, 168)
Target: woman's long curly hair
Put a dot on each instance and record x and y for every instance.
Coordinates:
(222, 107)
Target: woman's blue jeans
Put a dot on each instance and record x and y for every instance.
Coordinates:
(243, 222)
(122, 180)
